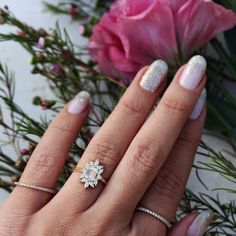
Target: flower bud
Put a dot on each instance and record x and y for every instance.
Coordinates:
(24, 152)
(21, 34)
(41, 42)
(37, 100)
(55, 68)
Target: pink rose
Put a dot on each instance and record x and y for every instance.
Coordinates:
(136, 32)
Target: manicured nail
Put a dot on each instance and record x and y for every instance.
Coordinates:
(200, 224)
(193, 72)
(79, 103)
(153, 76)
(199, 105)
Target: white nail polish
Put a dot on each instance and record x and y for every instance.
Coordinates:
(153, 76)
(79, 103)
(199, 105)
(200, 224)
(193, 72)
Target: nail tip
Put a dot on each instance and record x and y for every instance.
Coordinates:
(162, 63)
(154, 75)
(193, 72)
(84, 94)
(200, 224)
(199, 59)
(79, 103)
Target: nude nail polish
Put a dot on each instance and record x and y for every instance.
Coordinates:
(79, 103)
(153, 76)
(193, 72)
(200, 224)
(199, 105)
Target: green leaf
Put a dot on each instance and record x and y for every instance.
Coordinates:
(230, 38)
(224, 108)
(232, 133)
(215, 120)
(231, 65)
(221, 116)
(231, 4)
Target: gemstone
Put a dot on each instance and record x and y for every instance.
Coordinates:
(91, 174)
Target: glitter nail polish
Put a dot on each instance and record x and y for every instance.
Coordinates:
(153, 76)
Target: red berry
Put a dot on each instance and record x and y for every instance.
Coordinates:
(21, 34)
(73, 11)
(24, 152)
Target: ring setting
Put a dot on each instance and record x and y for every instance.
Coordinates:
(91, 174)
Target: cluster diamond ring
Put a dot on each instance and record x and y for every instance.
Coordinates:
(91, 174)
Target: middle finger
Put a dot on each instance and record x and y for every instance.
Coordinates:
(152, 145)
(112, 140)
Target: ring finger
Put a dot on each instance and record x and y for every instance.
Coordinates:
(166, 191)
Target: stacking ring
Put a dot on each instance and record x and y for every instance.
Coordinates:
(91, 174)
(154, 214)
(36, 187)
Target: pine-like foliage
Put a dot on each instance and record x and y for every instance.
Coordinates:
(68, 69)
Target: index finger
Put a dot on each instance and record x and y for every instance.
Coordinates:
(48, 158)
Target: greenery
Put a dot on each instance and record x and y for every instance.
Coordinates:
(68, 69)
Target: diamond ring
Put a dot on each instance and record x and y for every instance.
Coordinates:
(91, 174)
(36, 187)
(154, 214)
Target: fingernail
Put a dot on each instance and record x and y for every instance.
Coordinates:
(79, 103)
(199, 105)
(153, 76)
(193, 72)
(200, 224)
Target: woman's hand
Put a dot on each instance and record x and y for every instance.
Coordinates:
(146, 163)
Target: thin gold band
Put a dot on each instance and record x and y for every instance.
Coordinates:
(36, 187)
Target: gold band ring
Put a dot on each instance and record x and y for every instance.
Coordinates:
(36, 187)
(154, 214)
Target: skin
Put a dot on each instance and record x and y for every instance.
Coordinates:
(146, 163)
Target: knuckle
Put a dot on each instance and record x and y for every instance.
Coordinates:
(134, 107)
(107, 151)
(108, 225)
(95, 227)
(42, 221)
(16, 219)
(145, 156)
(188, 143)
(169, 183)
(173, 106)
(41, 161)
(62, 126)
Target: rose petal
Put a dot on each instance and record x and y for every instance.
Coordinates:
(199, 21)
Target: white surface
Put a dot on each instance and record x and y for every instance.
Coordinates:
(27, 85)
(18, 60)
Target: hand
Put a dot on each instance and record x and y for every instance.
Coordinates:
(146, 163)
